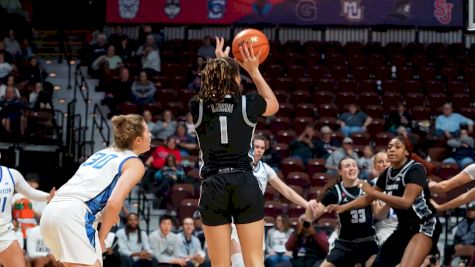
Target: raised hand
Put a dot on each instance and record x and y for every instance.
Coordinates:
(250, 61)
(51, 194)
(219, 48)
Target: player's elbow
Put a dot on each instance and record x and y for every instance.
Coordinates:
(114, 204)
(271, 109)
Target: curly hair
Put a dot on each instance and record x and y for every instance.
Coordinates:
(218, 79)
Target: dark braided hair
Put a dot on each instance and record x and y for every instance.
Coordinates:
(218, 79)
(129, 230)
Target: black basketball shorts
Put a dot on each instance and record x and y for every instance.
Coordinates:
(346, 253)
(229, 197)
(392, 250)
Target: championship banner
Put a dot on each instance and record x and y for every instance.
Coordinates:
(434, 13)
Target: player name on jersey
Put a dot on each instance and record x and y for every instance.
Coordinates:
(222, 107)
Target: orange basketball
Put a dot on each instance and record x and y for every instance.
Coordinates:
(253, 37)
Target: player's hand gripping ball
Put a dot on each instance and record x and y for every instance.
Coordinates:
(254, 38)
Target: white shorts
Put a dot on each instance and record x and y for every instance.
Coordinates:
(67, 234)
(7, 236)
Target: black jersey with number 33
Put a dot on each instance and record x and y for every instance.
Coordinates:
(225, 131)
(354, 224)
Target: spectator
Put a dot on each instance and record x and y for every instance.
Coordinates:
(151, 61)
(325, 145)
(198, 228)
(275, 242)
(11, 111)
(99, 48)
(158, 37)
(37, 250)
(271, 156)
(167, 177)
(206, 50)
(109, 61)
(304, 146)
(147, 115)
(9, 83)
(116, 37)
(462, 150)
(33, 72)
(464, 238)
(133, 243)
(165, 244)
(158, 158)
(8, 57)
(119, 92)
(193, 77)
(399, 118)
(11, 44)
(190, 247)
(5, 68)
(354, 121)
(28, 50)
(190, 126)
(126, 50)
(308, 247)
(346, 150)
(149, 41)
(366, 162)
(448, 124)
(40, 98)
(185, 142)
(165, 127)
(143, 90)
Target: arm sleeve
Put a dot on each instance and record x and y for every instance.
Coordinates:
(438, 123)
(25, 189)
(416, 175)
(255, 106)
(145, 244)
(470, 171)
(151, 90)
(196, 244)
(122, 241)
(330, 197)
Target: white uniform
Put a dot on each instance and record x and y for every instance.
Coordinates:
(470, 171)
(385, 227)
(10, 180)
(264, 174)
(68, 221)
(35, 245)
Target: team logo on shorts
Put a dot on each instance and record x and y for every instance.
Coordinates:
(443, 11)
(172, 8)
(216, 9)
(306, 10)
(128, 8)
(352, 10)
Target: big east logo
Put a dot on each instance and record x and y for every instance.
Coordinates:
(443, 11)
(352, 10)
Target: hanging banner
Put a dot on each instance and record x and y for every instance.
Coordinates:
(299, 12)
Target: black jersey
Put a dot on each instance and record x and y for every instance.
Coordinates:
(393, 182)
(354, 224)
(225, 131)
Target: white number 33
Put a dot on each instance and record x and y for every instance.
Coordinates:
(358, 216)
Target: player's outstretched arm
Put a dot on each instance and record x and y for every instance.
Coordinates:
(460, 179)
(288, 192)
(358, 203)
(405, 202)
(456, 202)
(132, 172)
(250, 63)
(25, 189)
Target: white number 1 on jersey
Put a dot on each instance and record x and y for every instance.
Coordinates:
(223, 123)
